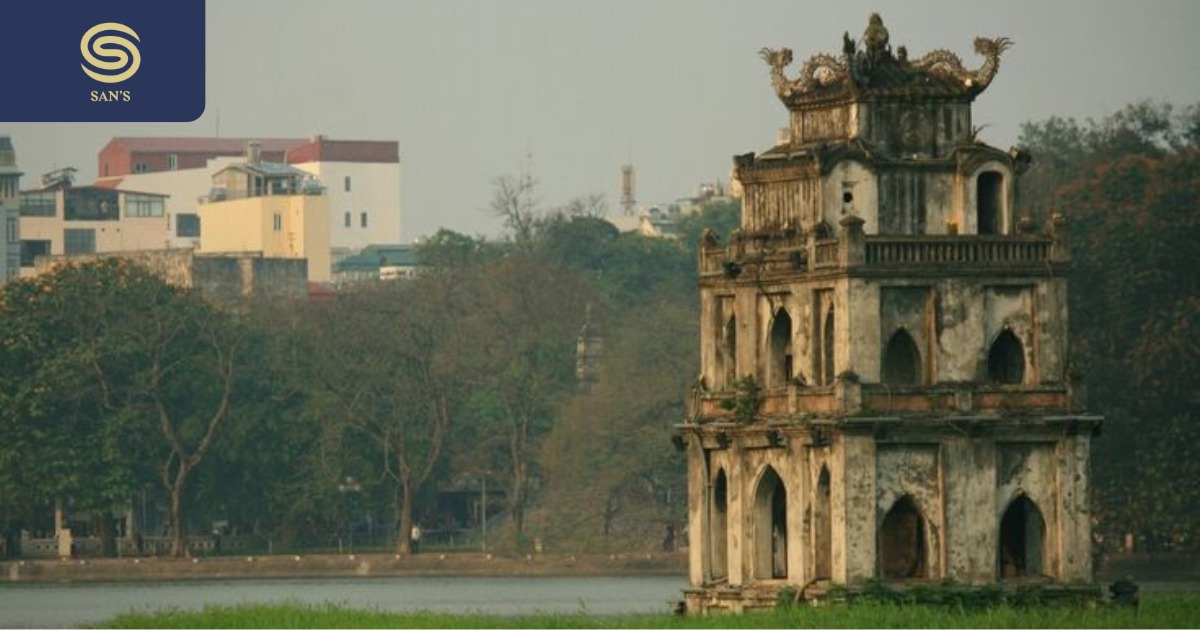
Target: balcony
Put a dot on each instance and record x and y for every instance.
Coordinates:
(852, 399)
(764, 256)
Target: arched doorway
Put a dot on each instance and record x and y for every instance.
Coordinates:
(1006, 360)
(902, 547)
(822, 529)
(718, 534)
(989, 200)
(779, 369)
(902, 360)
(1022, 537)
(770, 527)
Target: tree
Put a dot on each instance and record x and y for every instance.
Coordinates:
(1129, 185)
(151, 370)
(513, 201)
(533, 313)
(611, 477)
(722, 217)
(395, 374)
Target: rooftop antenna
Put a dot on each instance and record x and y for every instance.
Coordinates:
(628, 185)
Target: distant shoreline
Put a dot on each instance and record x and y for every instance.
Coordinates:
(230, 567)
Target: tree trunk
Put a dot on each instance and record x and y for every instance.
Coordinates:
(175, 518)
(404, 527)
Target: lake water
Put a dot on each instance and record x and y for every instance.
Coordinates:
(75, 605)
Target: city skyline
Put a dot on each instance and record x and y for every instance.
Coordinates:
(674, 88)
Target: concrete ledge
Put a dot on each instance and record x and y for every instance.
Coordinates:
(301, 566)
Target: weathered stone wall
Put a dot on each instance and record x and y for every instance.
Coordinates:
(860, 181)
(970, 478)
(907, 128)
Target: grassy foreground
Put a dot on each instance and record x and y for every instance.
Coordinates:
(1157, 611)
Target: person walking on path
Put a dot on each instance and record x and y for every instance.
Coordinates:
(415, 538)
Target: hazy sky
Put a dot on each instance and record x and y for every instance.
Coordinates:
(674, 86)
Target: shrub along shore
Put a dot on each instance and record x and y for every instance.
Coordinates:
(1156, 611)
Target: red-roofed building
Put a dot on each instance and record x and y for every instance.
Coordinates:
(130, 155)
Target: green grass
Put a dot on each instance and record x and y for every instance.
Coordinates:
(1157, 611)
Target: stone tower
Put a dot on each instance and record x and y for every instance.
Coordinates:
(884, 388)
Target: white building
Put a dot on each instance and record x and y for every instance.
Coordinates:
(362, 180)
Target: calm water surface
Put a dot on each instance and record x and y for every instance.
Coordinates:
(76, 605)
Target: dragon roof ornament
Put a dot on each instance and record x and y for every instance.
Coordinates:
(872, 68)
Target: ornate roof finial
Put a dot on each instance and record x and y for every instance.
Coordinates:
(876, 37)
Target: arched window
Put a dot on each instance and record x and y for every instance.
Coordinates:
(823, 231)
(902, 548)
(989, 196)
(1022, 534)
(770, 527)
(779, 370)
(1006, 360)
(718, 527)
(826, 356)
(902, 360)
(729, 354)
(822, 529)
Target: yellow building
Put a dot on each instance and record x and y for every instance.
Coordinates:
(60, 219)
(268, 208)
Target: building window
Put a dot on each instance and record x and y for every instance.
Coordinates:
(39, 204)
(140, 167)
(989, 202)
(12, 231)
(902, 360)
(172, 162)
(347, 219)
(187, 225)
(144, 206)
(770, 527)
(278, 222)
(823, 529)
(1022, 534)
(364, 219)
(779, 368)
(718, 530)
(79, 241)
(902, 547)
(91, 204)
(347, 183)
(30, 250)
(1006, 360)
(824, 357)
(729, 352)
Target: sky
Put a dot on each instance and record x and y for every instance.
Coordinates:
(572, 89)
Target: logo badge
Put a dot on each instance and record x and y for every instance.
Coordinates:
(110, 61)
(124, 53)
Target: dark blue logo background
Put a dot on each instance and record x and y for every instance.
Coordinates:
(45, 80)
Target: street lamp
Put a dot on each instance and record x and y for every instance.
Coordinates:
(347, 486)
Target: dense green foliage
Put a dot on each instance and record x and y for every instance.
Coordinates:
(307, 423)
(1157, 611)
(1130, 187)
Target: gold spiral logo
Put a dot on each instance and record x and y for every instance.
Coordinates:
(126, 57)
